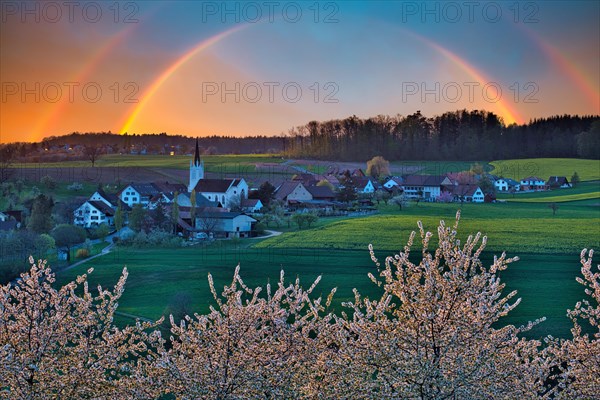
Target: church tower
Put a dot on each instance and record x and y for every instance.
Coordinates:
(196, 169)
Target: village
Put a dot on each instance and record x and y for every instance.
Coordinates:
(209, 208)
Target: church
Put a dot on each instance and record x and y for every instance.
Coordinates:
(228, 193)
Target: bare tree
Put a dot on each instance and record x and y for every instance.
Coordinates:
(93, 152)
(207, 224)
(6, 160)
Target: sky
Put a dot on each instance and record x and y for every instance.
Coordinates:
(262, 68)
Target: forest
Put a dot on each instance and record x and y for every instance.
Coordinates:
(455, 135)
(458, 135)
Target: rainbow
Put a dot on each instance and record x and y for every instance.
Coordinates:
(96, 59)
(570, 69)
(166, 74)
(509, 114)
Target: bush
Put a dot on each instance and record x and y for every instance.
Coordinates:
(259, 228)
(48, 181)
(75, 186)
(153, 239)
(100, 232)
(82, 253)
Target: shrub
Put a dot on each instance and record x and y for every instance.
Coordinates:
(259, 228)
(48, 181)
(82, 253)
(75, 186)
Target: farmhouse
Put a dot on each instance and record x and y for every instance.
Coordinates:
(292, 191)
(226, 224)
(533, 183)
(93, 213)
(468, 193)
(556, 182)
(251, 205)
(110, 200)
(306, 179)
(321, 193)
(394, 183)
(425, 186)
(135, 193)
(364, 184)
(506, 184)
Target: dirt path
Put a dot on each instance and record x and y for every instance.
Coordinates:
(271, 234)
(104, 251)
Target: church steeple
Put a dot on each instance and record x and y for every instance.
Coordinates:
(196, 169)
(197, 154)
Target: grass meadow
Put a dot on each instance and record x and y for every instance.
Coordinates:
(588, 170)
(548, 248)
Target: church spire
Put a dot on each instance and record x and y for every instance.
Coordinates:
(197, 154)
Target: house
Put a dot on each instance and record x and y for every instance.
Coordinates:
(333, 180)
(170, 188)
(468, 193)
(226, 224)
(393, 183)
(356, 173)
(321, 193)
(292, 191)
(556, 182)
(506, 185)
(464, 178)
(93, 213)
(223, 191)
(135, 193)
(364, 184)
(110, 200)
(306, 179)
(533, 183)
(183, 200)
(428, 187)
(251, 205)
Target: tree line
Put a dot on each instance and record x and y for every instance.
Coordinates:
(456, 135)
(432, 333)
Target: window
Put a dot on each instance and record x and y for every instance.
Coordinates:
(126, 199)
(94, 217)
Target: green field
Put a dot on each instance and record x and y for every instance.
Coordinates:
(436, 167)
(584, 191)
(548, 246)
(588, 170)
(515, 228)
(155, 276)
(215, 163)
